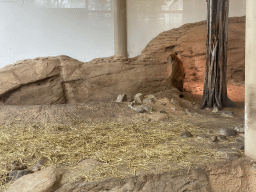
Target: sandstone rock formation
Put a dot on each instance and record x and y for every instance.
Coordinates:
(63, 80)
(189, 41)
(60, 80)
(227, 177)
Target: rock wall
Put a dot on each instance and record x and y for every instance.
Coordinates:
(59, 80)
(227, 177)
(63, 80)
(190, 42)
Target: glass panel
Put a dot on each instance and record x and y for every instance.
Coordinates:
(147, 18)
(89, 4)
(28, 31)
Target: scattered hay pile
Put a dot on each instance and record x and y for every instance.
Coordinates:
(134, 145)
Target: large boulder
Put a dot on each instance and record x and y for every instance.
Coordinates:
(60, 80)
(238, 175)
(189, 41)
(63, 80)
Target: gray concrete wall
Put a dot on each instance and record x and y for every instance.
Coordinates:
(250, 80)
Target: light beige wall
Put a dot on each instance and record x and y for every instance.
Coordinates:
(250, 80)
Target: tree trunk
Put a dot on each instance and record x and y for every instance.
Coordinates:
(215, 84)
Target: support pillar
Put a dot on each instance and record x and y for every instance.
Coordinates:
(120, 28)
(250, 80)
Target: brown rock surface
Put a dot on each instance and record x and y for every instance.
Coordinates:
(43, 181)
(228, 177)
(63, 80)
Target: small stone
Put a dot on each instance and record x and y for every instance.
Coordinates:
(132, 104)
(242, 148)
(215, 109)
(222, 137)
(148, 100)
(120, 98)
(196, 106)
(128, 99)
(173, 108)
(151, 96)
(158, 117)
(16, 165)
(164, 101)
(44, 180)
(232, 154)
(138, 109)
(202, 137)
(147, 107)
(173, 101)
(228, 132)
(187, 112)
(39, 164)
(163, 111)
(16, 174)
(239, 129)
(239, 140)
(214, 139)
(123, 98)
(209, 132)
(223, 153)
(227, 114)
(138, 98)
(186, 134)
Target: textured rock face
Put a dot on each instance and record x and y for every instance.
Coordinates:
(60, 80)
(189, 41)
(236, 176)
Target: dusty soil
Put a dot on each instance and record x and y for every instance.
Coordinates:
(187, 110)
(205, 119)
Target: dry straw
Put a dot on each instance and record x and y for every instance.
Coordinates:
(135, 145)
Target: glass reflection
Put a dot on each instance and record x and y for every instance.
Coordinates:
(147, 18)
(17, 2)
(87, 32)
(88, 4)
(172, 5)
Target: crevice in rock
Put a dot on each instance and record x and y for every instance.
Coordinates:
(169, 48)
(64, 92)
(5, 96)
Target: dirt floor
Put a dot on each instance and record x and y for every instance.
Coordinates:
(169, 109)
